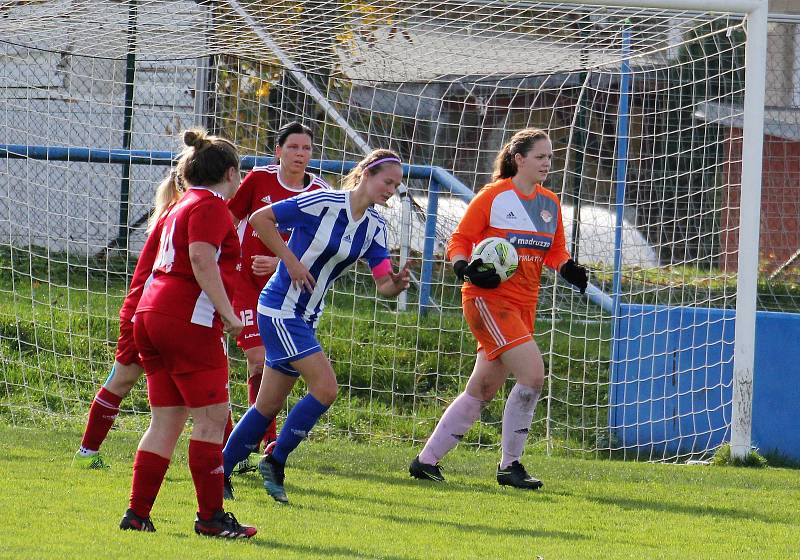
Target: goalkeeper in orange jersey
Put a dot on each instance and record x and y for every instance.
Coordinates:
(518, 208)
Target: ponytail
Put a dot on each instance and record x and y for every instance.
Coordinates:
(168, 193)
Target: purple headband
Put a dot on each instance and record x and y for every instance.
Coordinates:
(383, 160)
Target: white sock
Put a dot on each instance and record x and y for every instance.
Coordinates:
(455, 422)
(83, 452)
(517, 418)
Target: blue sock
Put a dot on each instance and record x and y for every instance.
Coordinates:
(301, 419)
(244, 438)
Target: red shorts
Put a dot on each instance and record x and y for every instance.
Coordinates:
(127, 353)
(245, 303)
(194, 390)
(498, 325)
(185, 363)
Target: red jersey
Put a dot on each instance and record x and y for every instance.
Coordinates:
(261, 187)
(143, 270)
(532, 223)
(201, 215)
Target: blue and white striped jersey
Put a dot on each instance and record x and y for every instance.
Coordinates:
(327, 240)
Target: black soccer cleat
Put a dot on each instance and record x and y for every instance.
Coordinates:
(273, 474)
(132, 522)
(515, 475)
(224, 526)
(227, 489)
(425, 472)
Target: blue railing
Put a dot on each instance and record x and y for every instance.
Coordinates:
(439, 182)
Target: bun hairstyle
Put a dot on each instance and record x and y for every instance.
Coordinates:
(521, 143)
(204, 161)
(208, 157)
(372, 163)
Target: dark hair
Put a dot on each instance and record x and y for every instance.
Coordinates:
(206, 158)
(521, 143)
(367, 165)
(293, 127)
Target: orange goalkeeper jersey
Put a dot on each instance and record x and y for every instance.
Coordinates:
(531, 223)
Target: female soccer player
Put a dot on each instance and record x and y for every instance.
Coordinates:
(501, 316)
(261, 187)
(178, 330)
(330, 231)
(127, 368)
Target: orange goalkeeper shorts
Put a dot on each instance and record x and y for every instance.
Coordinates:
(498, 325)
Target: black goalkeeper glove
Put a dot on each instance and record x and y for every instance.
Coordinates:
(473, 274)
(575, 274)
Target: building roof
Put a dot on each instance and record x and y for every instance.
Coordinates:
(781, 122)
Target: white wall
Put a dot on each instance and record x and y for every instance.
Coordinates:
(62, 99)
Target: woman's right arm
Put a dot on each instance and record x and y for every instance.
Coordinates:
(468, 232)
(469, 228)
(266, 226)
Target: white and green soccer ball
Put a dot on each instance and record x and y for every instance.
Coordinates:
(499, 255)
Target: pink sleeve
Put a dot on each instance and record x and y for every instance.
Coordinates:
(384, 268)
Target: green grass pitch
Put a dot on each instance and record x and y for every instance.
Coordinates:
(351, 500)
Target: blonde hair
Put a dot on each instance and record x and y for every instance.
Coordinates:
(368, 165)
(168, 193)
(203, 161)
(521, 143)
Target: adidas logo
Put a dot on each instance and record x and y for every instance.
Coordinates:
(251, 446)
(511, 216)
(459, 437)
(348, 238)
(267, 200)
(521, 431)
(218, 470)
(300, 433)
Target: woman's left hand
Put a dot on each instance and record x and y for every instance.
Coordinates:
(401, 279)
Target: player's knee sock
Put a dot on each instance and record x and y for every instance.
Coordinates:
(272, 432)
(244, 438)
(148, 474)
(205, 463)
(228, 428)
(253, 384)
(102, 414)
(298, 424)
(517, 418)
(455, 422)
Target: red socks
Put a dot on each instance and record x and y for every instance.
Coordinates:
(253, 384)
(228, 428)
(148, 474)
(102, 414)
(205, 462)
(271, 434)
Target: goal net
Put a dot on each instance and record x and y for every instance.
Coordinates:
(644, 108)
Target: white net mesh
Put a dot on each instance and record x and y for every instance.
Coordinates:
(444, 84)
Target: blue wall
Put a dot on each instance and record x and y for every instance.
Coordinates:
(671, 380)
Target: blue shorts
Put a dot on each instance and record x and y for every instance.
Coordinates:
(286, 341)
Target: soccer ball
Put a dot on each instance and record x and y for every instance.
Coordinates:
(497, 254)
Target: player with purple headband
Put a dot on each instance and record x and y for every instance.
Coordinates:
(331, 230)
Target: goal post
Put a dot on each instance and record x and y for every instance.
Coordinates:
(750, 216)
(657, 163)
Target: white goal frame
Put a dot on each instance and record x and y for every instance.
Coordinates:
(750, 217)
